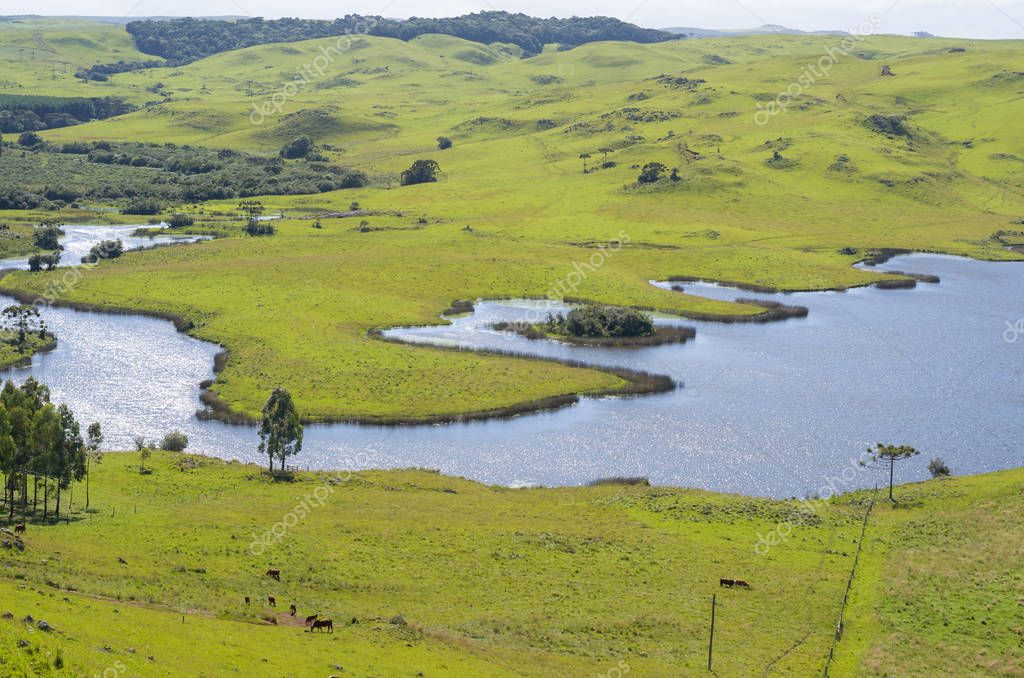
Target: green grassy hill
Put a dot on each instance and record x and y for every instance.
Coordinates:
(926, 160)
(493, 582)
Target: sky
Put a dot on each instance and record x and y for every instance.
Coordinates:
(955, 18)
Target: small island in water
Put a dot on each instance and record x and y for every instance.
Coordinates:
(595, 325)
(23, 333)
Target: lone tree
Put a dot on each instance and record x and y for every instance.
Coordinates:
(421, 172)
(444, 143)
(280, 430)
(886, 456)
(92, 453)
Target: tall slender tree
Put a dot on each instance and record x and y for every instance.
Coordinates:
(280, 429)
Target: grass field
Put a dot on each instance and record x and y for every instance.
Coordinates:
(295, 309)
(492, 581)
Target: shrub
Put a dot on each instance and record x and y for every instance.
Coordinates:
(180, 220)
(29, 140)
(175, 441)
(444, 143)
(938, 468)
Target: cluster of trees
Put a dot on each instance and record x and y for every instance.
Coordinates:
(42, 450)
(421, 172)
(47, 233)
(653, 172)
(20, 321)
(29, 113)
(601, 321)
(152, 175)
(102, 72)
(105, 249)
(252, 210)
(184, 40)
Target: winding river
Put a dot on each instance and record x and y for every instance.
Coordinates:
(777, 409)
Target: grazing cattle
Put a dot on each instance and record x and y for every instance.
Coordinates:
(726, 582)
(742, 584)
(19, 529)
(312, 618)
(323, 624)
(274, 574)
(291, 609)
(272, 601)
(247, 600)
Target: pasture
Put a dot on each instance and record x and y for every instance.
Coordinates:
(425, 573)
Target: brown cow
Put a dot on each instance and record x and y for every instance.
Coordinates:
(323, 624)
(742, 584)
(272, 601)
(292, 610)
(274, 574)
(247, 600)
(312, 618)
(19, 529)
(726, 582)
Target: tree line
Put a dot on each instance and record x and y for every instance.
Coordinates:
(42, 449)
(29, 113)
(185, 40)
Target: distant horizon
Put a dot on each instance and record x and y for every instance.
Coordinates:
(958, 19)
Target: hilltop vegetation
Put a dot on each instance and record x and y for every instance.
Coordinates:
(182, 41)
(421, 572)
(53, 176)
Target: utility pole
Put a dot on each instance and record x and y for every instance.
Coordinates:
(711, 640)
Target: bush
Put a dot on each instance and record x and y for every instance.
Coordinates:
(938, 468)
(421, 172)
(444, 143)
(180, 220)
(29, 139)
(299, 147)
(175, 441)
(602, 321)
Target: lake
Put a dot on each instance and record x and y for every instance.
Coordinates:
(778, 409)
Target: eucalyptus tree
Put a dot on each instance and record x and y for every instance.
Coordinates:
(280, 428)
(95, 434)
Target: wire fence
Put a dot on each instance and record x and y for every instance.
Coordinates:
(846, 593)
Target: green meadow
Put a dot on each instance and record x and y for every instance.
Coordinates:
(423, 573)
(514, 214)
